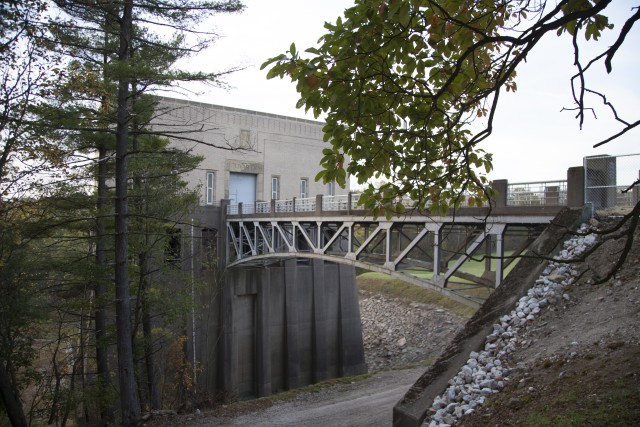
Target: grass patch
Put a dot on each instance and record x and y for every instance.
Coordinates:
(386, 285)
(615, 406)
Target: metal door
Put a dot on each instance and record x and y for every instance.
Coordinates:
(242, 188)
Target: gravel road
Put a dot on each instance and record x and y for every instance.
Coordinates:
(396, 333)
(364, 403)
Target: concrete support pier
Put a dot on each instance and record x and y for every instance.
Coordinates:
(289, 325)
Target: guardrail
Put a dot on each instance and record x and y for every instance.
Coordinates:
(584, 184)
(340, 203)
(542, 193)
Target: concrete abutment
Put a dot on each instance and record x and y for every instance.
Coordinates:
(287, 326)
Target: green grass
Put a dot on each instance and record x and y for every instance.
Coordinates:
(383, 283)
(471, 266)
(396, 288)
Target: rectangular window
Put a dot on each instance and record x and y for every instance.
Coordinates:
(304, 188)
(209, 189)
(331, 188)
(275, 187)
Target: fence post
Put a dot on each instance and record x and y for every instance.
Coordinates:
(293, 205)
(240, 208)
(273, 205)
(575, 187)
(349, 203)
(636, 192)
(318, 203)
(501, 186)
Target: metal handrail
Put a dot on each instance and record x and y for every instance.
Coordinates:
(537, 193)
(540, 193)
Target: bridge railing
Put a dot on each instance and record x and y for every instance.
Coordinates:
(339, 203)
(542, 193)
(584, 184)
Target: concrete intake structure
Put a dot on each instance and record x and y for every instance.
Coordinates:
(287, 326)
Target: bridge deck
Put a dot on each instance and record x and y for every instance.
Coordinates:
(431, 252)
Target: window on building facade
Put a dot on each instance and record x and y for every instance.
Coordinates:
(275, 187)
(331, 188)
(244, 140)
(209, 188)
(304, 188)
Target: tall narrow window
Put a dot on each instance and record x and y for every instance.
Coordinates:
(304, 188)
(331, 188)
(275, 187)
(209, 191)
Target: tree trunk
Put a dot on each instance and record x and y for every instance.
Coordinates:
(102, 355)
(129, 403)
(102, 360)
(10, 400)
(152, 377)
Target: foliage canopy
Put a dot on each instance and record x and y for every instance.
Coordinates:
(402, 81)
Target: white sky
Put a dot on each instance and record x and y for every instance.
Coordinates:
(532, 139)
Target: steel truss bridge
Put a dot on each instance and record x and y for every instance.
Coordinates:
(432, 252)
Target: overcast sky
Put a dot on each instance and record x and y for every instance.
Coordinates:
(532, 139)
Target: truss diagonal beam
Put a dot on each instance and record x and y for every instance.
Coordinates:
(387, 245)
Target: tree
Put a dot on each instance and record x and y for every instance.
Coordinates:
(401, 82)
(159, 201)
(26, 74)
(139, 26)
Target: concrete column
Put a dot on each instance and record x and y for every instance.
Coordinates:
(263, 343)
(436, 229)
(351, 348)
(387, 247)
(501, 186)
(575, 187)
(318, 204)
(227, 367)
(292, 361)
(273, 205)
(500, 259)
(319, 322)
(487, 254)
(223, 255)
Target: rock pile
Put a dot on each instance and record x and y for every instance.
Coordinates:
(485, 372)
(399, 333)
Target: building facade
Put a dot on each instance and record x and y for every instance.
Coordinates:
(249, 156)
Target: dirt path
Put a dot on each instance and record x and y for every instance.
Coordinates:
(363, 403)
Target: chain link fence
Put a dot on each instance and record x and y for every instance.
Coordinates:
(609, 180)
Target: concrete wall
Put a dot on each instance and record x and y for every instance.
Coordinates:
(262, 330)
(288, 326)
(251, 142)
